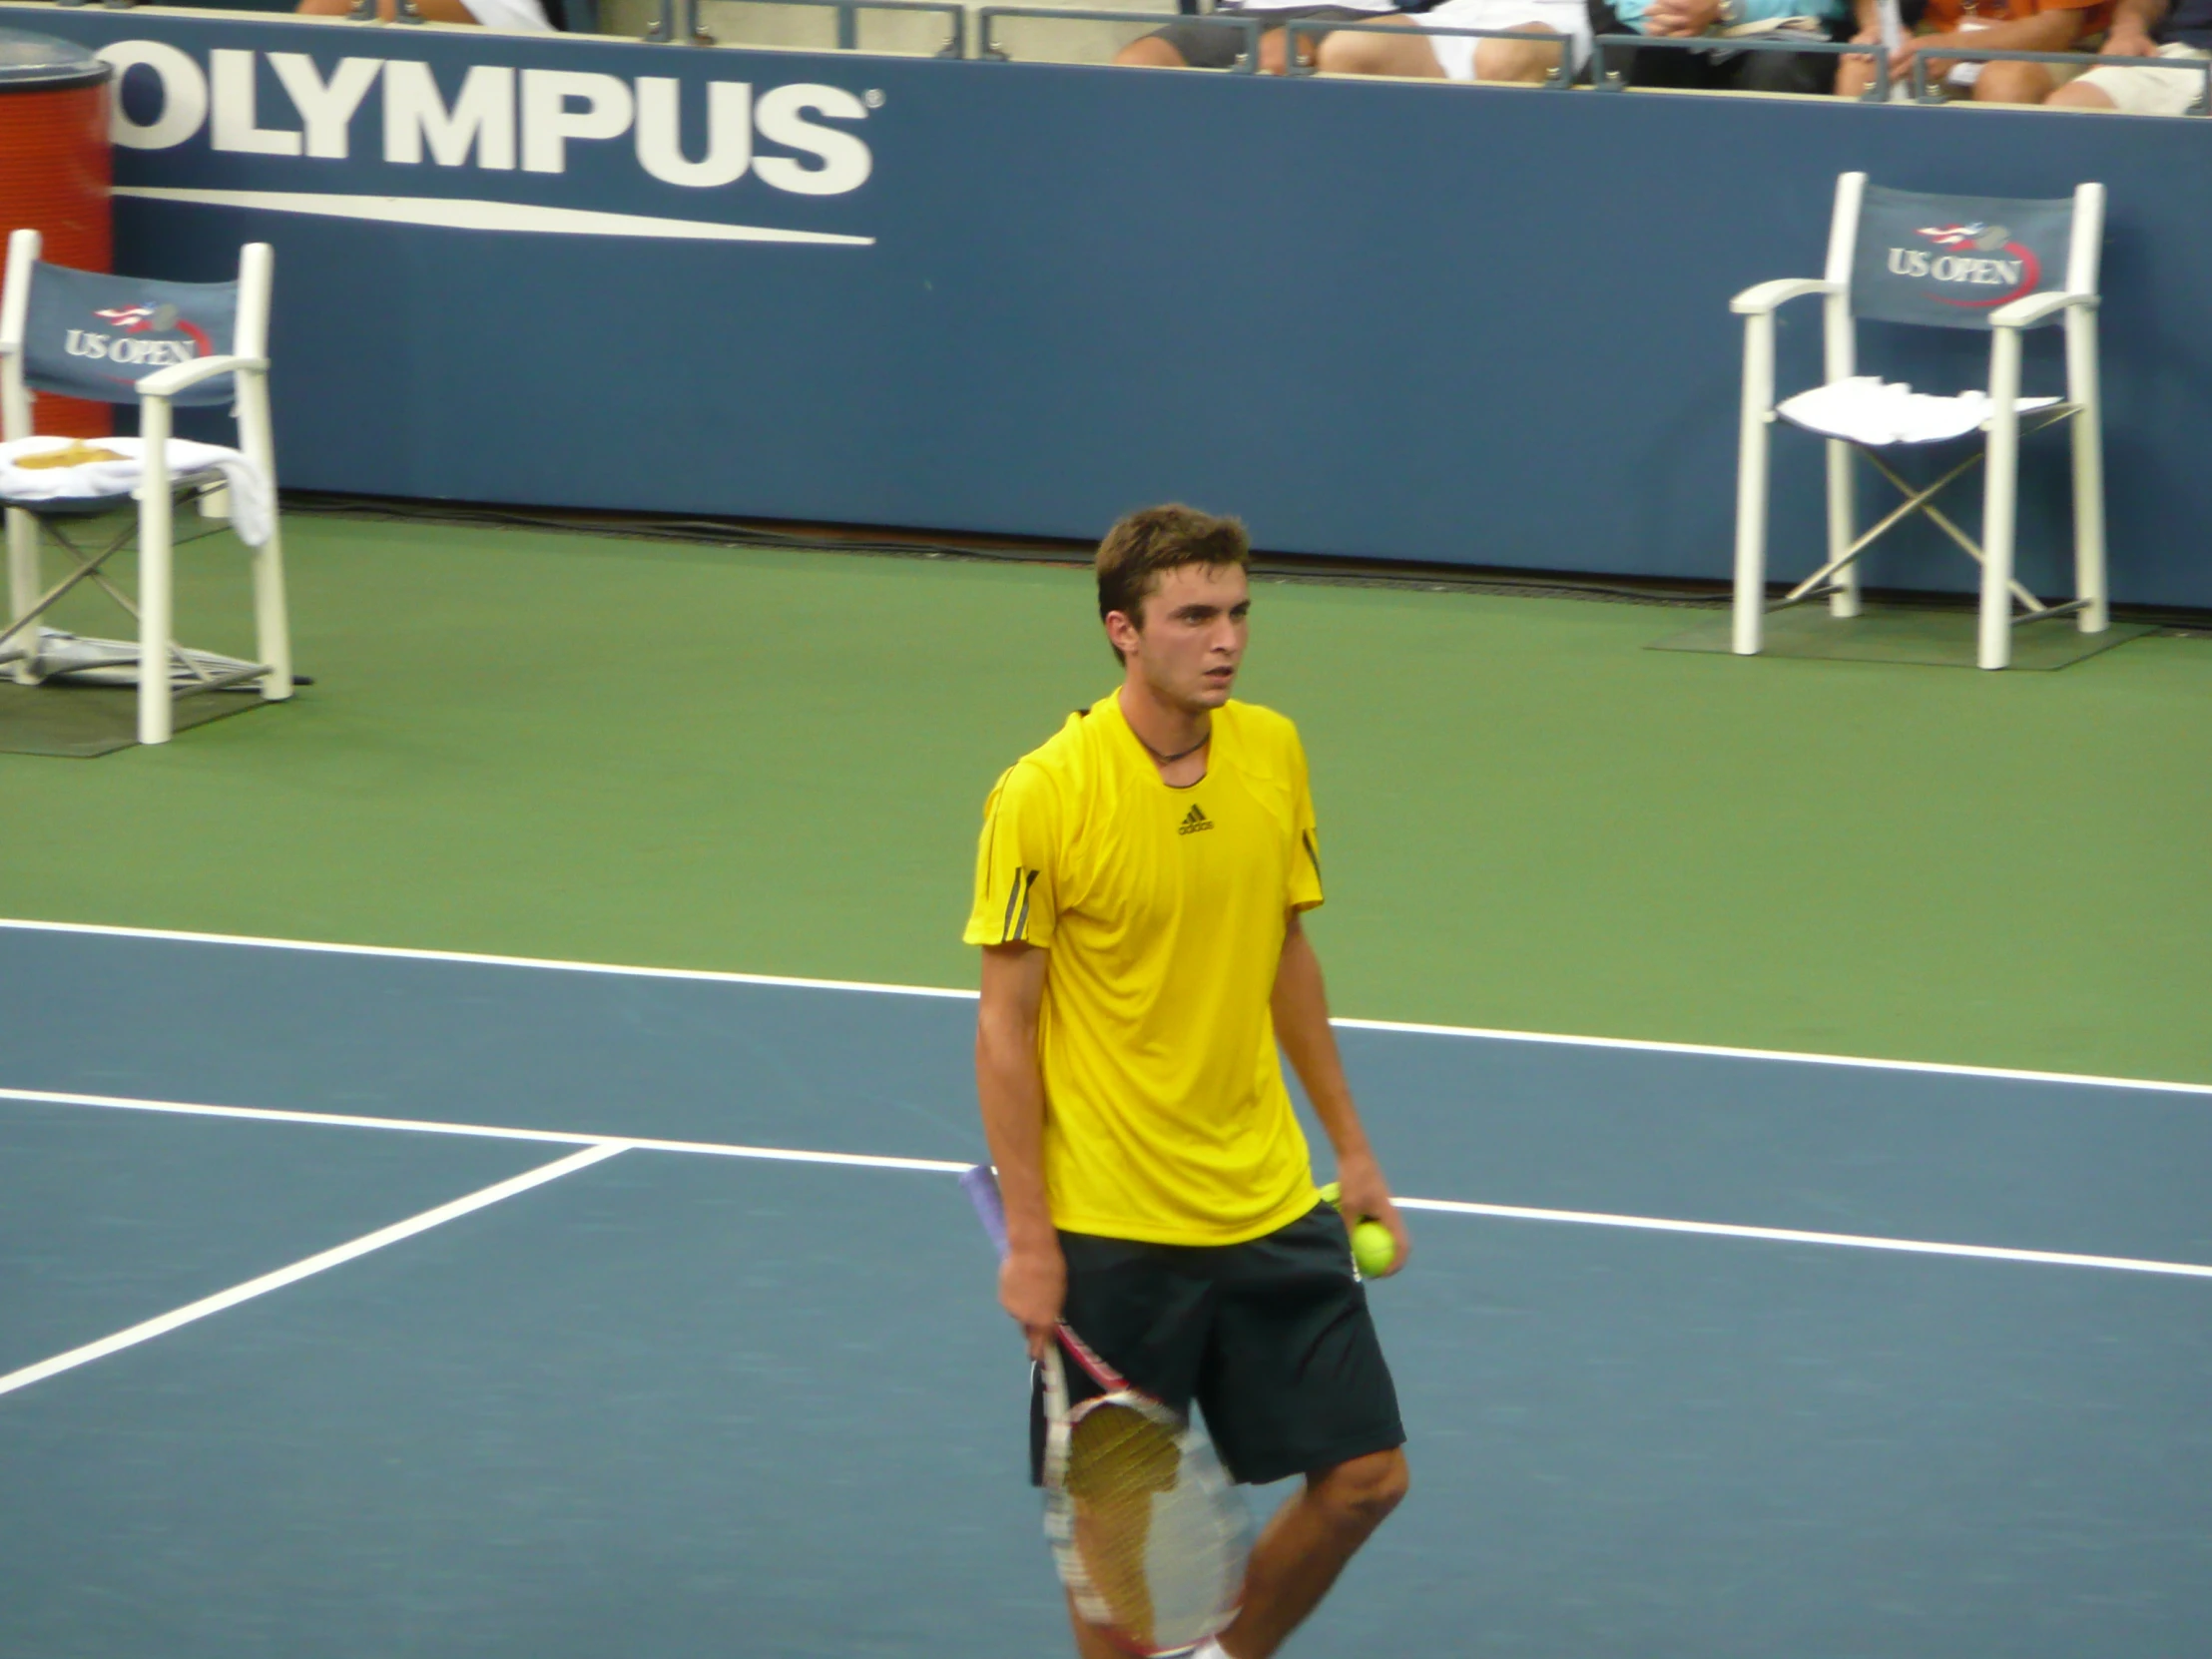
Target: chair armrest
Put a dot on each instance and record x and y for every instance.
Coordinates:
(1771, 296)
(167, 382)
(2023, 313)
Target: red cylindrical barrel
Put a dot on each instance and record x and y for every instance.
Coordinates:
(54, 134)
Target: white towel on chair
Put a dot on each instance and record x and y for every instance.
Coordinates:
(1870, 410)
(253, 503)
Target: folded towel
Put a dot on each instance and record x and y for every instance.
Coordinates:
(1868, 409)
(253, 502)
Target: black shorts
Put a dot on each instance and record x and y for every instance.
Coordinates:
(1205, 45)
(1271, 1338)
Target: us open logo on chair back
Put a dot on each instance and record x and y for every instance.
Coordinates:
(1950, 261)
(93, 336)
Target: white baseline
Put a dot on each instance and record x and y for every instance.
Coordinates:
(607, 1145)
(1640, 1045)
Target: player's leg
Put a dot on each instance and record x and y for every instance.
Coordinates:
(1308, 1543)
(1404, 51)
(1295, 1383)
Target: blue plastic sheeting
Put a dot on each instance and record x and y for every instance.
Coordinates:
(1388, 321)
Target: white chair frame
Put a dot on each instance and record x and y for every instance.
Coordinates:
(1838, 577)
(249, 361)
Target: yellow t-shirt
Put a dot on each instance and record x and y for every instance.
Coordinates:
(1166, 1119)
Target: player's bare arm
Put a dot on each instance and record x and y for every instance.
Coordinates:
(1032, 1281)
(1300, 1008)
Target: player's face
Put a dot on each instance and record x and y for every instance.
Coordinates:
(1193, 636)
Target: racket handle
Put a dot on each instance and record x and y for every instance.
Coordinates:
(981, 1186)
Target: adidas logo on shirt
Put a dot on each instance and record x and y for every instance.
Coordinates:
(1194, 820)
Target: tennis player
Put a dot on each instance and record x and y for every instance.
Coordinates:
(1138, 892)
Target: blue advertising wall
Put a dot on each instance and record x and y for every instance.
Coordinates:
(1429, 322)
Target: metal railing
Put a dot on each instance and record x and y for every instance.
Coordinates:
(849, 20)
(987, 33)
(1607, 80)
(1560, 75)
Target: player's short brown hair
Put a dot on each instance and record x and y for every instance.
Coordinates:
(1148, 543)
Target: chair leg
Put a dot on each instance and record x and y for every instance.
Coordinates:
(1746, 634)
(23, 591)
(2088, 493)
(2000, 501)
(1842, 529)
(272, 623)
(156, 606)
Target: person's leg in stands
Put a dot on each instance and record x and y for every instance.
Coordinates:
(1517, 60)
(1150, 52)
(2012, 82)
(1804, 74)
(436, 11)
(1404, 51)
(1410, 50)
(2083, 94)
(1194, 44)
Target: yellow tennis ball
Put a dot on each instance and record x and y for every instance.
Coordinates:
(1332, 1194)
(1373, 1249)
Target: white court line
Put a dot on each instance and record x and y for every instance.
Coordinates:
(607, 1144)
(1786, 1235)
(166, 1323)
(486, 1131)
(479, 960)
(1635, 1044)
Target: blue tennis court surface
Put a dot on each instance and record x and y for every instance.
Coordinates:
(623, 1384)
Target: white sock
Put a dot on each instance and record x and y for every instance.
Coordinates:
(1209, 1649)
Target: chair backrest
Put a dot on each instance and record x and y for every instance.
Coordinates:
(82, 333)
(1947, 262)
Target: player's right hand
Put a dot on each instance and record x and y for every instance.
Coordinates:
(1032, 1286)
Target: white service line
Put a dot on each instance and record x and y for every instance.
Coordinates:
(712, 976)
(166, 1323)
(1787, 1234)
(1642, 1045)
(607, 1144)
(483, 1131)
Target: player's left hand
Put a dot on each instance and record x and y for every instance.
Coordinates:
(1367, 1196)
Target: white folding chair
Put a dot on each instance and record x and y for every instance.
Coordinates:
(122, 339)
(1944, 261)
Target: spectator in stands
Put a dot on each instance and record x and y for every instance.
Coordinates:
(2008, 25)
(1720, 70)
(2146, 29)
(531, 16)
(1412, 50)
(1190, 43)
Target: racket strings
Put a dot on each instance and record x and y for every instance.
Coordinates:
(1157, 1540)
(1119, 1460)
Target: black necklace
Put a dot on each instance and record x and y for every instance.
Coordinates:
(1169, 760)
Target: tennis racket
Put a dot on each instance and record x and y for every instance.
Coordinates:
(1147, 1530)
